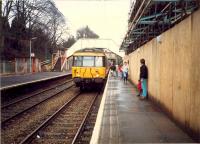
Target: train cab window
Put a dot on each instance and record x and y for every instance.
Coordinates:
(77, 61)
(88, 61)
(99, 61)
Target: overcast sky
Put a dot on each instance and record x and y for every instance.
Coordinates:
(107, 18)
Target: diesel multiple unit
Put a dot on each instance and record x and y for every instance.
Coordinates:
(89, 68)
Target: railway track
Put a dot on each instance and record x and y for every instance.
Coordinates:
(18, 128)
(65, 125)
(85, 133)
(15, 108)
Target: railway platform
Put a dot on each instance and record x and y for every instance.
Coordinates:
(124, 118)
(17, 80)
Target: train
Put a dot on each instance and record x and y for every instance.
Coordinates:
(89, 68)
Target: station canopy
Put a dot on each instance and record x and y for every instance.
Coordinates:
(150, 18)
(83, 43)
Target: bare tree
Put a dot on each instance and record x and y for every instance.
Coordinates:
(8, 4)
(29, 16)
(86, 32)
(1, 37)
(69, 42)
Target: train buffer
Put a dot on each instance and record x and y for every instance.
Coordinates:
(124, 118)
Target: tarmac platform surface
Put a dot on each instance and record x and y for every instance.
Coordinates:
(12, 80)
(124, 118)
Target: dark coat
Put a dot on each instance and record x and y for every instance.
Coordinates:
(113, 67)
(143, 72)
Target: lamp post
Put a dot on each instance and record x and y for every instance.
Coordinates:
(30, 53)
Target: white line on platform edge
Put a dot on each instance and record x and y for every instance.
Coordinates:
(97, 127)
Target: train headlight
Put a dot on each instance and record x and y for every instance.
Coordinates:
(97, 75)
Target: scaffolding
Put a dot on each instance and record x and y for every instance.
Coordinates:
(150, 18)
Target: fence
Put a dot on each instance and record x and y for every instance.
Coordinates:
(20, 66)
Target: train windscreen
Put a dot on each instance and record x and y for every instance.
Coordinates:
(88, 61)
(77, 61)
(99, 61)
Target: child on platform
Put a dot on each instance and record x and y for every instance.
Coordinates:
(139, 86)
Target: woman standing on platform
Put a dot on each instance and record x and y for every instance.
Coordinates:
(125, 72)
(120, 71)
(143, 78)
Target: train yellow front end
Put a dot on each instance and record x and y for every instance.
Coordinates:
(89, 68)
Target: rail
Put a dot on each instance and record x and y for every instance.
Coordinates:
(58, 114)
(6, 118)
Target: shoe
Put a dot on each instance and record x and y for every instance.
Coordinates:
(142, 98)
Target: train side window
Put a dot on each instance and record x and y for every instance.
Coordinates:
(104, 61)
(99, 61)
(77, 61)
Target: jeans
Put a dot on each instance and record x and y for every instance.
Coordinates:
(144, 87)
(125, 76)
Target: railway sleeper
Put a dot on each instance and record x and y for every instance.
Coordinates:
(65, 124)
(50, 140)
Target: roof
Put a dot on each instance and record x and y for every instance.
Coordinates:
(150, 18)
(100, 50)
(89, 52)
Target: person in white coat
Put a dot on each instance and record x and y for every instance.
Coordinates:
(125, 72)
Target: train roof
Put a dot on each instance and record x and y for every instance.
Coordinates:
(89, 52)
